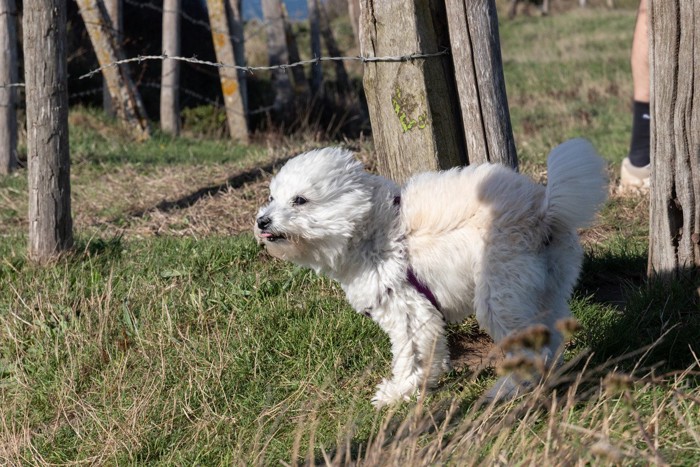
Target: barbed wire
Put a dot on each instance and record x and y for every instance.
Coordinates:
(249, 69)
(252, 69)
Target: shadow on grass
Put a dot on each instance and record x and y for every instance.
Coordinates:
(608, 277)
(626, 311)
(234, 182)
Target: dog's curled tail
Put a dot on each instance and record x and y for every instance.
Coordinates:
(577, 184)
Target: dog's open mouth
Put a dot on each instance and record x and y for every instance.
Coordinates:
(271, 237)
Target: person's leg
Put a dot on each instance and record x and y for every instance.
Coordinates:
(635, 167)
(640, 55)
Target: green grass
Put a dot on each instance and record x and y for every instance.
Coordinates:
(97, 141)
(165, 349)
(176, 350)
(567, 76)
(205, 337)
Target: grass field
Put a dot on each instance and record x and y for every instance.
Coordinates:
(168, 337)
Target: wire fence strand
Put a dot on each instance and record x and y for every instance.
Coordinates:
(253, 69)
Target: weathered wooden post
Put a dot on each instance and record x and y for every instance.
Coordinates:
(354, 14)
(341, 76)
(235, 20)
(125, 96)
(314, 31)
(412, 104)
(170, 71)
(235, 112)
(46, 80)
(115, 11)
(301, 84)
(278, 55)
(418, 120)
(476, 54)
(674, 230)
(8, 90)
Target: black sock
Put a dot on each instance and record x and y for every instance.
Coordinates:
(639, 147)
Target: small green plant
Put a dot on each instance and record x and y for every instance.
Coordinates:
(204, 120)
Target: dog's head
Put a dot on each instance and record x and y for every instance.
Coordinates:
(318, 201)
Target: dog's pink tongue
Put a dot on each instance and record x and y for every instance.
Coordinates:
(266, 235)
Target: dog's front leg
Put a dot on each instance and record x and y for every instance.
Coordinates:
(405, 377)
(430, 344)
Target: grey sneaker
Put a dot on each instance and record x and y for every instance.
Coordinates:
(634, 178)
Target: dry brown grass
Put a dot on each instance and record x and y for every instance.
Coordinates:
(182, 200)
(570, 418)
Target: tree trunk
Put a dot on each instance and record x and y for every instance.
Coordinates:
(235, 113)
(314, 31)
(476, 53)
(170, 72)
(125, 95)
(115, 11)
(341, 76)
(412, 106)
(50, 223)
(8, 92)
(674, 231)
(278, 55)
(235, 21)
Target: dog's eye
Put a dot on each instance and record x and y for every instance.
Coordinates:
(299, 200)
(270, 199)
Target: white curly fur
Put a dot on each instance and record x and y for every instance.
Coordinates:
(484, 239)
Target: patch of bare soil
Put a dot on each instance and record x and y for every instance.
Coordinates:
(473, 352)
(471, 348)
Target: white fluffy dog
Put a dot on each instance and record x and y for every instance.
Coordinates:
(479, 239)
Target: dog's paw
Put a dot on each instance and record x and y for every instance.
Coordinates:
(389, 392)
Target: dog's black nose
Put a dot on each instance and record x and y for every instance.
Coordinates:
(264, 222)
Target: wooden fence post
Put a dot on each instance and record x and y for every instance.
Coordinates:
(354, 14)
(301, 84)
(235, 113)
(476, 54)
(674, 202)
(170, 71)
(8, 93)
(412, 104)
(235, 21)
(341, 76)
(46, 80)
(115, 11)
(125, 95)
(278, 55)
(315, 33)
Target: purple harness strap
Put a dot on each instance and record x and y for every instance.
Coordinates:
(414, 281)
(422, 288)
